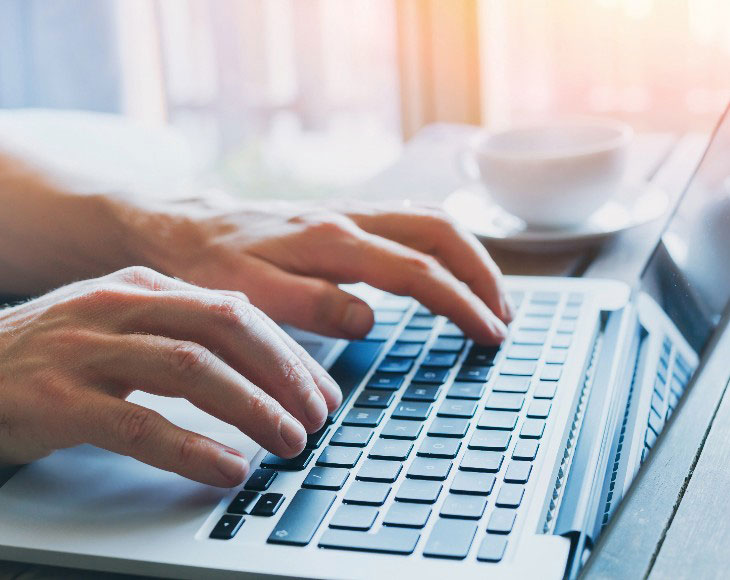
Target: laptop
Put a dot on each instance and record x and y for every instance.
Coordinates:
(446, 457)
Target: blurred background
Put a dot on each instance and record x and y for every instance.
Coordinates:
(293, 98)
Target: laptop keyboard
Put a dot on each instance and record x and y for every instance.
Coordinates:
(446, 428)
(672, 376)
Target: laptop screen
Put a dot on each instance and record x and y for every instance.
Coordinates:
(688, 273)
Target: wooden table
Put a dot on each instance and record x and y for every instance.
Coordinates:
(675, 520)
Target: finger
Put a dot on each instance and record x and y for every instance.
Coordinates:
(432, 232)
(325, 382)
(230, 328)
(169, 367)
(310, 303)
(129, 429)
(396, 268)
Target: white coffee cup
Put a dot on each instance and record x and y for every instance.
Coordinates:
(553, 175)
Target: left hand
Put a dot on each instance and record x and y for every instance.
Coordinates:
(288, 258)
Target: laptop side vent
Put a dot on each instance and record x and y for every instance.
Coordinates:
(620, 445)
(570, 443)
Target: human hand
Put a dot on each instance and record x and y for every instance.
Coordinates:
(69, 359)
(288, 258)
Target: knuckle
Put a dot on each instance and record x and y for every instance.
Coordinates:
(103, 296)
(423, 264)
(189, 359)
(331, 226)
(258, 403)
(294, 372)
(135, 426)
(188, 449)
(138, 276)
(232, 312)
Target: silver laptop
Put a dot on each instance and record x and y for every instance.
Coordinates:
(446, 458)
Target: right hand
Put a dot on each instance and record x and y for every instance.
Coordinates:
(69, 359)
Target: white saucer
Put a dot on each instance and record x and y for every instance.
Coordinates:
(635, 204)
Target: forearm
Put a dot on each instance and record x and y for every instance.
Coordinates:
(53, 232)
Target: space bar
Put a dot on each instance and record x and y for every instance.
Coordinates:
(351, 367)
(386, 540)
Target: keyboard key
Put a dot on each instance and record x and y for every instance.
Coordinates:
(419, 491)
(456, 408)
(379, 470)
(431, 376)
(314, 440)
(375, 399)
(363, 417)
(571, 312)
(439, 360)
(391, 449)
(566, 326)
(407, 515)
(302, 517)
(268, 505)
(551, 372)
(556, 356)
(367, 493)
(422, 321)
(501, 521)
(546, 310)
(536, 323)
(412, 411)
(260, 479)
(392, 302)
(351, 436)
(427, 468)
(562, 341)
(412, 335)
(502, 420)
(529, 337)
(575, 299)
(450, 539)
(450, 330)
(474, 373)
(397, 429)
(539, 409)
(492, 548)
(488, 461)
(242, 502)
(532, 429)
(351, 367)
(655, 422)
(511, 384)
(545, 297)
(354, 517)
(510, 495)
(465, 507)
(385, 382)
(422, 392)
(448, 345)
(387, 316)
(488, 440)
(445, 427)
(482, 355)
(333, 478)
(381, 332)
(386, 540)
(442, 447)
(298, 463)
(545, 390)
(332, 456)
(505, 402)
(525, 449)
(395, 365)
(472, 483)
(227, 527)
(522, 368)
(524, 351)
(405, 350)
(466, 390)
(518, 472)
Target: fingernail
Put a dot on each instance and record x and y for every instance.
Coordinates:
(232, 466)
(357, 320)
(292, 433)
(315, 408)
(500, 330)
